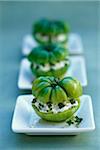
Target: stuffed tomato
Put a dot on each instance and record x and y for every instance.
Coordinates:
(56, 100)
(49, 60)
(50, 31)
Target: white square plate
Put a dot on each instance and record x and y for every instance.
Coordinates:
(77, 69)
(74, 44)
(25, 120)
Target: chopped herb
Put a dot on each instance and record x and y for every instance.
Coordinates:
(51, 64)
(42, 64)
(41, 105)
(34, 100)
(50, 108)
(69, 122)
(61, 105)
(74, 120)
(78, 120)
(72, 101)
(37, 67)
(67, 63)
(49, 104)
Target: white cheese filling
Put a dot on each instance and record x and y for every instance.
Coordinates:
(47, 67)
(55, 108)
(59, 38)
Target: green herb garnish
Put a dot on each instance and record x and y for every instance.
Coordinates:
(74, 120)
(72, 101)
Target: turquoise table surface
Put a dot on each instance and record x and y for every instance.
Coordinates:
(15, 21)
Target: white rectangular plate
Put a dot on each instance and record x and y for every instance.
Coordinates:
(25, 120)
(74, 44)
(77, 69)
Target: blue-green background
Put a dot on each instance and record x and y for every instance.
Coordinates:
(15, 22)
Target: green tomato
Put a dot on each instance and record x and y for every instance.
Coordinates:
(44, 95)
(72, 87)
(52, 58)
(59, 53)
(47, 54)
(51, 54)
(37, 88)
(50, 89)
(59, 89)
(46, 31)
(58, 95)
(38, 55)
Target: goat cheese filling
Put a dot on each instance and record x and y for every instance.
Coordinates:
(54, 108)
(48, 67)
(60, 38)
